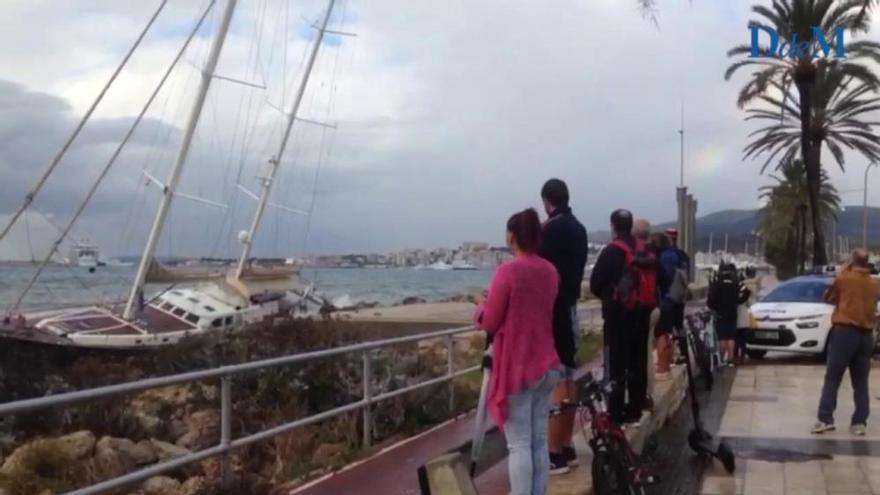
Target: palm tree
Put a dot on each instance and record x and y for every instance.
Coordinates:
(839, 110)
(783, 218)
(796, 18)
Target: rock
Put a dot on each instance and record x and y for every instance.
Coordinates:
(203, 430)
(412, 300)
(174, 395)
(78, 445)
(328, 453)
(143, 453)
(112, 458)
(7, 444)
(211, 468)
(165, 450)
(190, 440)
(151, 425)
(207, 419)
(176, 429)
(37, 454)
(161, 485)
(197, 485)
(366, 305)
(209, 392)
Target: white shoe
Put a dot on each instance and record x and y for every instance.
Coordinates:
(858, 430)
(820, 428)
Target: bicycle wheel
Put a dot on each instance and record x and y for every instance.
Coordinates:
(611, 472)
(704, 362)
(606, 472)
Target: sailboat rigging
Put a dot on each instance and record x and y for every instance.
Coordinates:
(224, 301)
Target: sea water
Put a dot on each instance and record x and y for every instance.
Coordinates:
(60, 286)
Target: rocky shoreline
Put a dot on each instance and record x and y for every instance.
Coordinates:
(56, 451)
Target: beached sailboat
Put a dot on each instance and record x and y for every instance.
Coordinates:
(198, 300)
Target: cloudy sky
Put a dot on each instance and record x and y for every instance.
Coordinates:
(450, 115)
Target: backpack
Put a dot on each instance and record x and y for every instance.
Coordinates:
(678, 289)
(675, 266)
(637, 287)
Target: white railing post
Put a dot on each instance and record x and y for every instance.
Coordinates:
(368, 394)
(225, 426)
(225, 375)
(450, 370)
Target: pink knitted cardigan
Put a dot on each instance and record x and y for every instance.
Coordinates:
(518, 314)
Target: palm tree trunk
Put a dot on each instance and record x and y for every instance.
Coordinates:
(802, 238)
(811, 163)
(814, 167)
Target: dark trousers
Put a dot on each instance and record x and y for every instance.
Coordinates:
(740, 350)
(848, 348)
(627, 337)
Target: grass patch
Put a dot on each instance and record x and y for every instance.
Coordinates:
(590, 347)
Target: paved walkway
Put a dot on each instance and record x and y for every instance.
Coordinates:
(668, 395)
(767, 421)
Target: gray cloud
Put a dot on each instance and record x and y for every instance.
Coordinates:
(450, 117)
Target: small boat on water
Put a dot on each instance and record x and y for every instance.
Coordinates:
(462, 265)
(85, 253)
(439, 266)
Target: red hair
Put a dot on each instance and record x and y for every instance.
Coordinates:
(525, 227)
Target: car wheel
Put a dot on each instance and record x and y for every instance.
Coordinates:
(755, 353)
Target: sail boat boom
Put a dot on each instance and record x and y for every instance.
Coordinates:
(274, 205)
(315, 122)
(164, 188)
(239, 81)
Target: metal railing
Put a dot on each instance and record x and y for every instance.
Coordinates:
(225, 375)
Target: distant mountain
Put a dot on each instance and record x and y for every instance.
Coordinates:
(739, 226)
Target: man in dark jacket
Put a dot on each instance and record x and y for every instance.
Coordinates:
(564, 245)
(624, 329)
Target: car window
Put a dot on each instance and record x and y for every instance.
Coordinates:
(805, 291)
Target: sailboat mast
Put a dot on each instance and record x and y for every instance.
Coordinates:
(276, 160)
(175, 172)
(29, 197)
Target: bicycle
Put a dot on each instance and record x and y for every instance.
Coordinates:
(700, 338)
(616, 468)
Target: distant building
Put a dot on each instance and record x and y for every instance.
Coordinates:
(474, 246)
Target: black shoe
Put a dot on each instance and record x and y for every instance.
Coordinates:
(558, 464)
(633, 418)
(570, 456)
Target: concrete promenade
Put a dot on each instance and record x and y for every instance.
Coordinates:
(668, 396)
(767, 421)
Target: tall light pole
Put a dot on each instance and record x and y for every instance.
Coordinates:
(865, 208)
(681, 134)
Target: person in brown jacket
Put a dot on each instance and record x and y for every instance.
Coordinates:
(854, 295)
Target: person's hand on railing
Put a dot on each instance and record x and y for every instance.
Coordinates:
(480, 297)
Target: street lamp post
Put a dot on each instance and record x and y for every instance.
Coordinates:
(865, 208)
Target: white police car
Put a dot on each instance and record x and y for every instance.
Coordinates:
(793, 317)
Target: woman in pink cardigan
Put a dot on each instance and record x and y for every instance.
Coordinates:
(518, 316)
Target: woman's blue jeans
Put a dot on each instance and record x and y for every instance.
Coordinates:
(526, 434)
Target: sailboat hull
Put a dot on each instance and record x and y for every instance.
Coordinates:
(166, 320)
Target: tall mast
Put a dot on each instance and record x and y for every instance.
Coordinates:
(681, 133)
(266, 182)
(177, 168)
